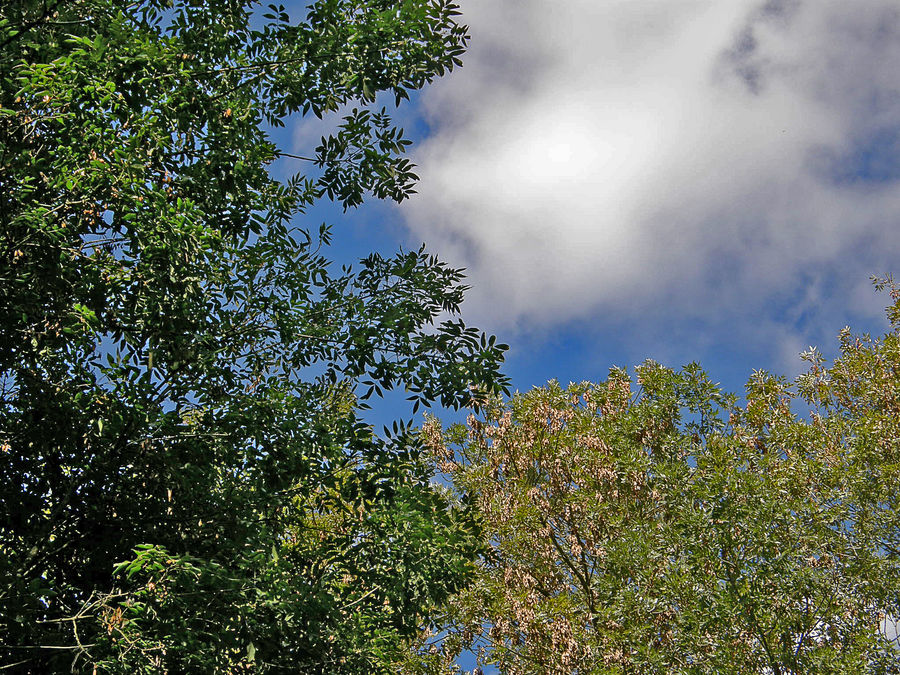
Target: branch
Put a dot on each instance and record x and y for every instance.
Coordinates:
(48, 10)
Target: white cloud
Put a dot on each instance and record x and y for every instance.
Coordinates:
(695, 157)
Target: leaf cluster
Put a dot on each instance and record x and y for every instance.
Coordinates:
(186, 480)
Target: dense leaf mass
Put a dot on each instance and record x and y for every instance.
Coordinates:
(186, 482)
(657, 525)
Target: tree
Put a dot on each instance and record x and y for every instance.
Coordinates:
(657, 526)
(186, 481)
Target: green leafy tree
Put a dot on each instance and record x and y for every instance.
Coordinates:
(656, 526)
(186, 481)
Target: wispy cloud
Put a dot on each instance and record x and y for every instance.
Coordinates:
(701, 158)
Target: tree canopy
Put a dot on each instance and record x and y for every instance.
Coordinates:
(658, 525)
(186, 481)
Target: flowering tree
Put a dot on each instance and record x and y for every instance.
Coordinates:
(656, 526)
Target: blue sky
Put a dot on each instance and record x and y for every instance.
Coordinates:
(671, 179)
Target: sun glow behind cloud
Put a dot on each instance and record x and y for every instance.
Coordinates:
(699, 158)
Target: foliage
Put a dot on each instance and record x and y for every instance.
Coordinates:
(657, 526)
(186, 481)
